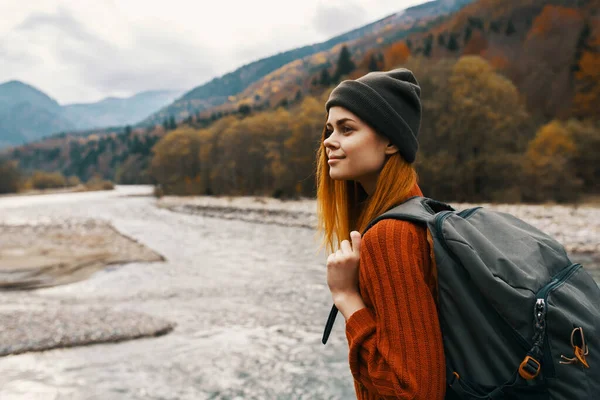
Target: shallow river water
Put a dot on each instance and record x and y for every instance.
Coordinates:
(249, 300)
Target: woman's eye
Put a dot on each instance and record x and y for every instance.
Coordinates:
(346, 129)
(328, 133)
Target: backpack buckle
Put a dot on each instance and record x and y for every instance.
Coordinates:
(529, 368)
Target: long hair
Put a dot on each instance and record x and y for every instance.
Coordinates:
(344, 206)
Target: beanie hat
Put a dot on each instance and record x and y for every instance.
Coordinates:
(389, 102)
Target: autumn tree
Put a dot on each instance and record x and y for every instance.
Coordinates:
(474, 132)
(9, 176)
(176, 163)
(585, 135)
(548, 168)
(544, 71)
(396, 55)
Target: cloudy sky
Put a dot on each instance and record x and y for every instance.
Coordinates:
(85, 50)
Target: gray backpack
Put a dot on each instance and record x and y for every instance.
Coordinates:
(519, 319)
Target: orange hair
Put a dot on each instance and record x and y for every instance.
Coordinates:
(343, 206)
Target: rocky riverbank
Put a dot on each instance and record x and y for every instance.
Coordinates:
(60, 327)
(53, 252)
(576, 227)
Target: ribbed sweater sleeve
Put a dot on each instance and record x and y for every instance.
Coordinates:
(395, 342)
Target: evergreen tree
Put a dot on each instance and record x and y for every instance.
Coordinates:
(373, 64)
(172, 123)
(468, 33)
(427, 45)
(166, 124)
(453, 43)
(441, 39)
(495, 26)
(127, 130)
(510, 28)
(344, 64)
(244, 109)
(325, 77)
(581, 46)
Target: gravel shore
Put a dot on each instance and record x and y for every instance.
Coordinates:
(576, 227)
(51, 253)
(51, 328)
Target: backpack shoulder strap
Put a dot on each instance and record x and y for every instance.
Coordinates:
(421, 210)
(416, 209)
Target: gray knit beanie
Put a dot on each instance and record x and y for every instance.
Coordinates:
(387, 101)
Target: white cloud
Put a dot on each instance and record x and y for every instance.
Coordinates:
(84, 50)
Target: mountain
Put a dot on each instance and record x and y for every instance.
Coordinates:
(547, 53)
(219, 90)
(114, 111)
(28, 114)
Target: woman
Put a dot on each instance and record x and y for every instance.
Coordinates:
(384, 284)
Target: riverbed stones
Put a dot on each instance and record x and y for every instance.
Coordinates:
(36, 330)
(52, 253)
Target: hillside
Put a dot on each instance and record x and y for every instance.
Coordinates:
(543, 46)
(548, 48)
(114, 111)
(522, 77)
(27, 114)
(225, 88)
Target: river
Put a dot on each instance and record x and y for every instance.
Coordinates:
(249, 300)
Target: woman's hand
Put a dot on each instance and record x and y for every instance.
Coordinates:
(342, 276)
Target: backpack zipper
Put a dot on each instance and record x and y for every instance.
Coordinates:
(542, 296)
(468, 212)
(440, 218)
(557, 280)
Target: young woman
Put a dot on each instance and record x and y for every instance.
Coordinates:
(384, 283)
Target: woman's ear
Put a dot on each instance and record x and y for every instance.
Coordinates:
(391, 149)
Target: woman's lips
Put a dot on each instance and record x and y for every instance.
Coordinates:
(333, 160)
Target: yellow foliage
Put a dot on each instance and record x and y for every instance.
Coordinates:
(551, 140)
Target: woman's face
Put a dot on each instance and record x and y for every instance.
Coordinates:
(354, 150)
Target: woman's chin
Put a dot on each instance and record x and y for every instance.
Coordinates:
(337, 176)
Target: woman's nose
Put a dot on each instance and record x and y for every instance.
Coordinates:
(329, 141)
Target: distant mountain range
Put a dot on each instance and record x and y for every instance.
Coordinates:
(28, 114)
(547, 49)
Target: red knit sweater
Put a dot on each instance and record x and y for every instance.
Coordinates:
(396, 349)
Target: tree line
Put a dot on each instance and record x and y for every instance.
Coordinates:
(477, 143)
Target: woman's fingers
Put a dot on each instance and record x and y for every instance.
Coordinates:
(356, 241)
(346, 247)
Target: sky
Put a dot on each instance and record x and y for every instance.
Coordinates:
(80, 51)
